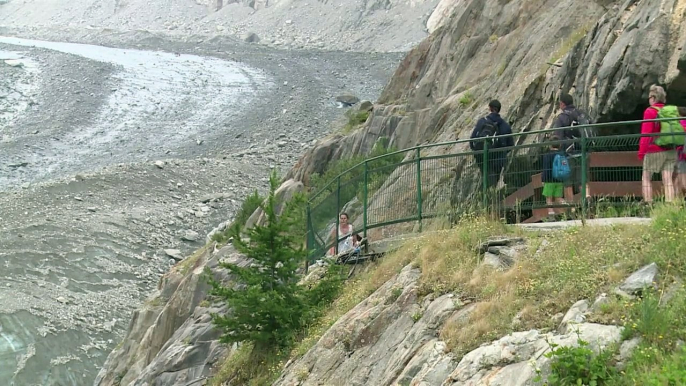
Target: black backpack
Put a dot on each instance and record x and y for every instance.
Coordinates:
(579, 118)
(488, 131)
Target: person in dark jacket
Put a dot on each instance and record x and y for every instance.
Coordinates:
(497, 155)
(566, 132)
(563, 122)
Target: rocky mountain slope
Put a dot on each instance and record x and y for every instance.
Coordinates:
(524, 53)
(360, 25)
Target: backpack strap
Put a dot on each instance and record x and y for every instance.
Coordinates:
(497, 127)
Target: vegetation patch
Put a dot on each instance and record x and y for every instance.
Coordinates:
(355, 119)
(248, 207)
(579, 365)
(466, 99)
(186, 265)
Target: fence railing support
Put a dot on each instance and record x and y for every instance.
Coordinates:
(484, 175)
(584, 179)
(365, 198)
(309, 236)
(338, 213)
(419, 188)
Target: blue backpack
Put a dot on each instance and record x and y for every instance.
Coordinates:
(561, 169)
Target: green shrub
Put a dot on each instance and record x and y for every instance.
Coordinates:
(579, 366)
(649, 321)
(268, 306)
(466, 99)
(355, 118)
(651, 367)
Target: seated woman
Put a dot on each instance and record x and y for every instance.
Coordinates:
(344, 234)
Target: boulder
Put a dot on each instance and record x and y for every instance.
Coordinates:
(250, 37)
(174, 254)
(347, 99)
(366, 106)
(645, 277)
(190, 236)
(575, 315)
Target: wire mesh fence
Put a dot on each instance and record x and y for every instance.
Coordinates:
(524, 183)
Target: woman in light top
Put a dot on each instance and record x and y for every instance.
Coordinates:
(345, 231)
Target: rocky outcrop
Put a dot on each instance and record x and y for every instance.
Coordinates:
(391, 338)
(171, 339)
(282, 195)
(515, 359)
(374, 342)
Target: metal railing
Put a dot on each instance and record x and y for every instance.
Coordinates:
(447, 180)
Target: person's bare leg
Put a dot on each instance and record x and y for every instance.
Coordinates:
(550, 201)
(560, 201)
(681, 183)
(668, 182)
(647, 186)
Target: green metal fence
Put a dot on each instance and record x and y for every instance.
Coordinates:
(447, 180)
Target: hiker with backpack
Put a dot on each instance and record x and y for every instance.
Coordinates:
(556, 171)
(565, 123)
(488, 130)
(659, 153)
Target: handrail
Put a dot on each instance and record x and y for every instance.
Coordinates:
(483, 153)
(519, 134)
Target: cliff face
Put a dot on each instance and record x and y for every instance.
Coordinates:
(605, 53)
(171, 339)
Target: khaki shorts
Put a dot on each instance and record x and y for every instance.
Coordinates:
(660, 161)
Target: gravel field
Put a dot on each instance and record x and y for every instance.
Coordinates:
(350, 25)
(111, 156)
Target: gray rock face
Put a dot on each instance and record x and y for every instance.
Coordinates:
(514, 359)
(282, 195)
(379, 342)
(609, 52)
(171, 339)
(390, 339)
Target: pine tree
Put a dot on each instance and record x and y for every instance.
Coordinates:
(267, 306)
